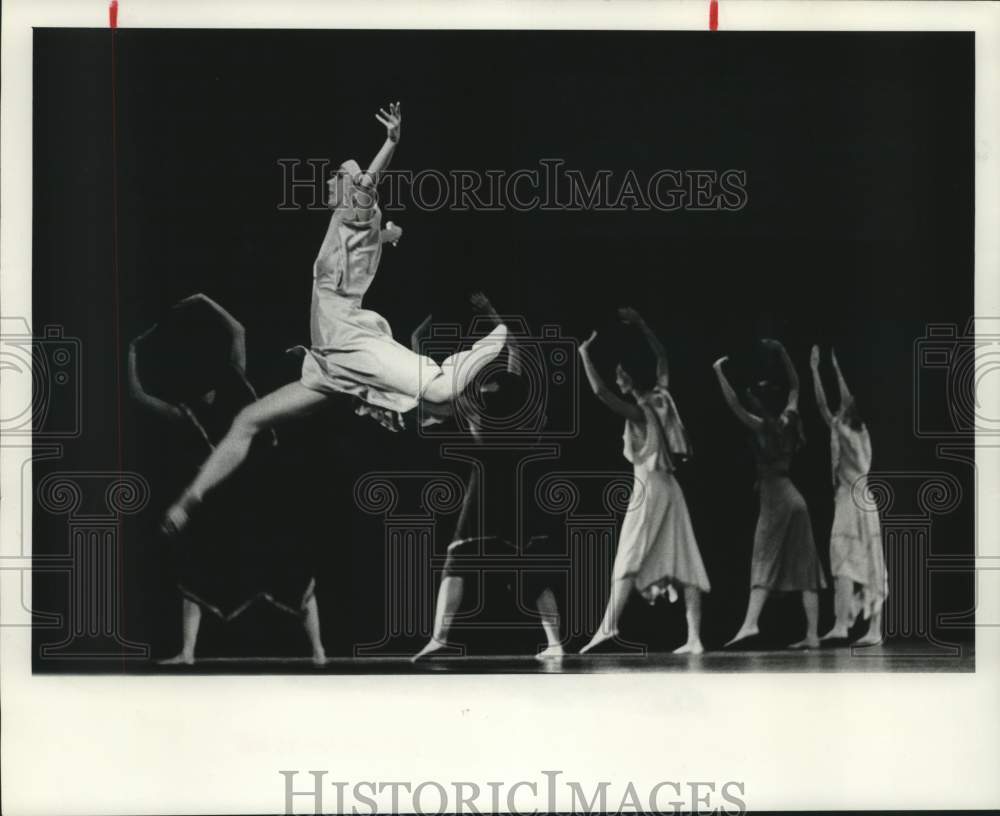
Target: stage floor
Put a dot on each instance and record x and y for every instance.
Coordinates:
(893, 657)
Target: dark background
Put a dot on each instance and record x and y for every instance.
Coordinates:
(858, 231)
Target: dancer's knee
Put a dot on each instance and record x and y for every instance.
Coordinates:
(247, 423)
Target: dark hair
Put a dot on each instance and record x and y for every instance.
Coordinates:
(644, 381)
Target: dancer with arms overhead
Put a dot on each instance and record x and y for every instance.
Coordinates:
(657, 550)
(856, 559)
(784, 553)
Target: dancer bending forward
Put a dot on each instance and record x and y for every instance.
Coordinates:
(656, 549)
(856, 560)
(784, 553)
(487, 529)
(353, 351)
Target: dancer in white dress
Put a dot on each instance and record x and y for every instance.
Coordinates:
(657, 550)
(353, 351)
(856, 559)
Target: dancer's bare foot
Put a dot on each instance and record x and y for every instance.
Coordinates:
(836, 633)
(598, 639)
(691, 647)
(182, 659)
(869, 639)
(805, 643)
(744, 633)
(460, 369)
(319, 658)
(552, 652)
(433, 648)
(178, 515)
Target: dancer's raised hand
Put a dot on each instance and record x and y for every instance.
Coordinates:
(481, 303)
(392, 233)
(629, 315)
(585, 345)
(814, 358)
(717, 365)
(392, 119)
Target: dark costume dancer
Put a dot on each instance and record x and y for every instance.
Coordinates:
(657, 551)
(353, 351)
(856, 560)
(784, 553)
(486, 530)
(194, 382)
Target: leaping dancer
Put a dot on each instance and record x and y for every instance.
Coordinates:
(352, 349)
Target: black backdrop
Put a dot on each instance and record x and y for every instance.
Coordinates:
(858, 150)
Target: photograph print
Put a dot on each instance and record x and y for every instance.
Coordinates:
(485, 351)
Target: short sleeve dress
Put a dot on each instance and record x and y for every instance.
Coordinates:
(352, 348)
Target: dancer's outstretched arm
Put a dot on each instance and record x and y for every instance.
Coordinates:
(139, 394)
(752, 421)
(793, 376)
(601, 391)
(237, 334)
(845, 392)
(824, 409)
(392, 119)
(632, 317)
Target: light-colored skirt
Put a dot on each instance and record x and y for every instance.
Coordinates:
(856, 552)
(657, 543)
(357, 355)
(784, 551)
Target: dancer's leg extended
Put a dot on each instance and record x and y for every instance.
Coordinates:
(756, 603)
(620, 591)
(458, 370)
(288, 402)
(448, 601)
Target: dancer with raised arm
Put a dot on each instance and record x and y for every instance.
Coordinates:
(784, 553)
(657, 550)
(353, 351)
(208, 344)
(856, 559)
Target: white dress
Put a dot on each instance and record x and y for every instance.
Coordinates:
(657, 544)
(856, 537)
(353, 351)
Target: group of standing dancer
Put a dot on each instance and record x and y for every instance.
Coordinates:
(353, 352)
(657, 550)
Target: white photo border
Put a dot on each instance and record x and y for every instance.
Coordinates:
(213, 744)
